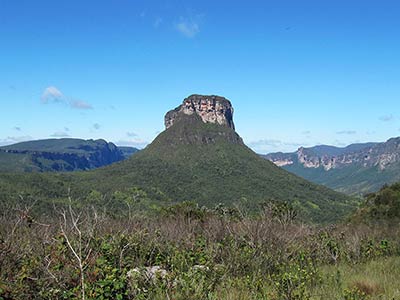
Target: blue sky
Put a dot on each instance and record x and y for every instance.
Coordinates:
(297, 72)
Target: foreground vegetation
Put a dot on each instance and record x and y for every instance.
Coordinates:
(188, 252)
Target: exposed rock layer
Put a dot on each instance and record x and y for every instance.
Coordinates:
(211, 109)
(378, 155)
(355, 169)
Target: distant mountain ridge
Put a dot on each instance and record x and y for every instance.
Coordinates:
(355, 169)
(65, 155)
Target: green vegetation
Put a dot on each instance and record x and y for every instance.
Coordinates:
(381, 206)
(60, 155)
(16, 162)
(377, 278)
(358, 168)
(209, 164)
(128, 151)
(196, 215)
(190, 252)
(191, 161)
(65, 145)
(352, 180)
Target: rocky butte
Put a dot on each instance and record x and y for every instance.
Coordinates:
(211, 109)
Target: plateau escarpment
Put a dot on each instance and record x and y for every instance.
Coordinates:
(357, 168)
(54, 155)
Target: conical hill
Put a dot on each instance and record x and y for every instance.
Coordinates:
(200, 157)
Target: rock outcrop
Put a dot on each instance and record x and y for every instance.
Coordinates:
(355, 169)
(211, 109)
(378, 155)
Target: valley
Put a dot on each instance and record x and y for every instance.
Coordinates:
(356, 169)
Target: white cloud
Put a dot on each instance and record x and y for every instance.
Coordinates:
(79, 104)
(15, 139)
(386, 118)
(266, 142)
(339, 143)
(273, 145)
(157, 22)
(348, 132)
(137, 143)
(131, 134)
(188, 27)
(60, 134)
(52, 94)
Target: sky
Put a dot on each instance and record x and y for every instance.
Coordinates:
(298, 73)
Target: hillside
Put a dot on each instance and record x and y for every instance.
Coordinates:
(355, 169)
(60, 155)
(127, 151)
(208, 163)
(382, 206)
(199, 157)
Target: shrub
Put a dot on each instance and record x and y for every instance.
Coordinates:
(294, 278)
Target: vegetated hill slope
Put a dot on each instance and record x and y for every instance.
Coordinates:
(209, 164)
(356, 169)
(60, 155)
(382, 206)
(199, 157)
(128, 151)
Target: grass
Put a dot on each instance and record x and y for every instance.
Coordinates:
(378, 279)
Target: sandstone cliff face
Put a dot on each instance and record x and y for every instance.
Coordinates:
(211, 109)
(379, 155)
(356, 169)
